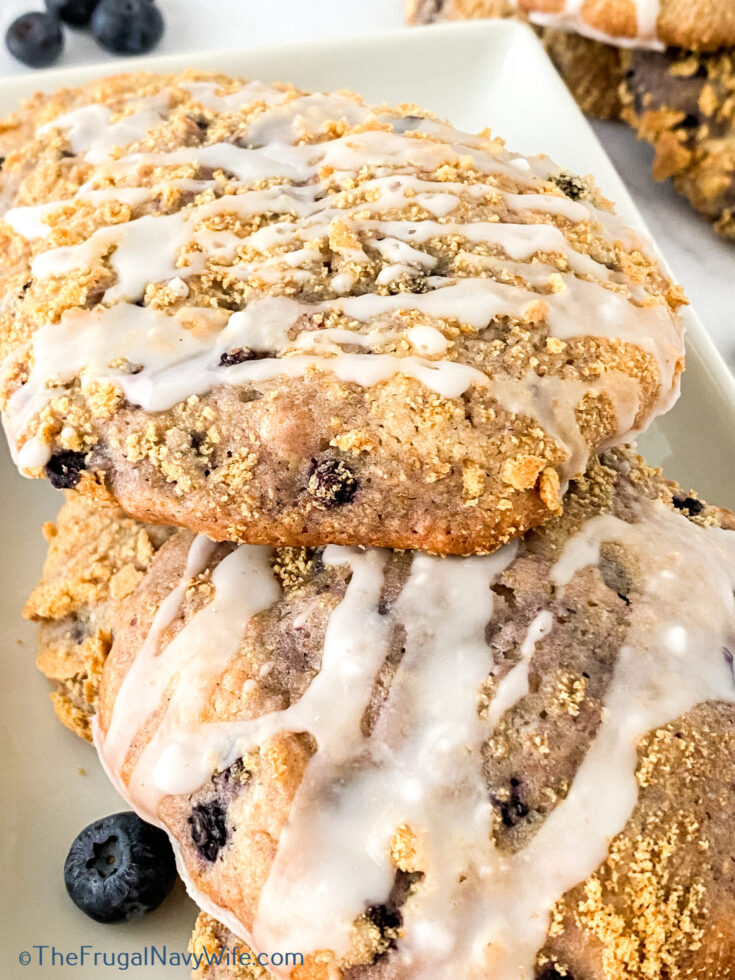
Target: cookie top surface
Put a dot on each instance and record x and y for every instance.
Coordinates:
(375, 758)
(695, 24)
(293, 319)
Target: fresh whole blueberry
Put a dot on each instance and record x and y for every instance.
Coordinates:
(35, 39)
(74, 12)
(127, 26)
(119, 868)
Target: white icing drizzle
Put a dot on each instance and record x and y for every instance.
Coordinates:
(173, 362)
(90, 131)
(514, 685)
(571, 18)
(176, 363)
(477, 909)
(137, 698)
(244, 586)
(30, 221)
(209, 95)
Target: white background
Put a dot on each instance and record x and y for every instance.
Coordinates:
(703, 263)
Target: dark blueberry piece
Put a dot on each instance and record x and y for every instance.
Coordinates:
(694, 506)
(119, 868)
(408, 284)
(208, 825)
(574, 187)
(74, 12)
(238, 355)
(553, 972)
(385, 919)
(2, 161)
(388, 917)
(64, 469)
(35, 39)
(513, 809)
(236, 775)
(127, 26)
(331, 482)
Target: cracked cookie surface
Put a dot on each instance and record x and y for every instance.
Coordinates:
(293, 319)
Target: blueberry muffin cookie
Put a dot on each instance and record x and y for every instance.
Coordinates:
(678, 98)
(402, 765)
(682, 103)
(695, 24)
(701, 24)
(96, 557)
(293, 319)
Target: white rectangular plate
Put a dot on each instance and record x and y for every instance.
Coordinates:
(477, 75)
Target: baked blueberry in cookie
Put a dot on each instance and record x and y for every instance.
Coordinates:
(400, 764)
(293, 319)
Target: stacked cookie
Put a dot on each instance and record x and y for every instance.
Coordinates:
(665, 67)
(352, 589)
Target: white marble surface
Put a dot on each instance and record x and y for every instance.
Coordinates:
(701, 261)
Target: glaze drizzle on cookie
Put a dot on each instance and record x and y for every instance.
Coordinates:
(572, 15)
(478, 907)
(387, 193)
